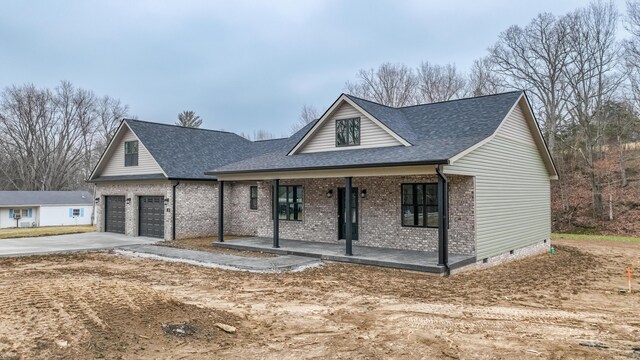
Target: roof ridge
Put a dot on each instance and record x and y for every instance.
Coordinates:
(280, 138)
(178, 126)
(437, 102)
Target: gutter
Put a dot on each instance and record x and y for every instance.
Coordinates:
(173, 217)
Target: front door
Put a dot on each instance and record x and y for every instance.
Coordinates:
(342, 219)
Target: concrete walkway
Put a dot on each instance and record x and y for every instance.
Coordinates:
(204, 258)
(68, 243)
(426, 261)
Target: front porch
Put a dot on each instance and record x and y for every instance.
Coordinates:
(425, 261)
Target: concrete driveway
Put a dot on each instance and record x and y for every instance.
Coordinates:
(68, 243)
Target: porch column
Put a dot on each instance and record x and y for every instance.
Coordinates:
(220, 211)
(347, 215)
(443, 221)
(276, 217)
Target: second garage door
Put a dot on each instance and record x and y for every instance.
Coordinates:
(151, 216)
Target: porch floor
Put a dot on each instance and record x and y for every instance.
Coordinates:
(426, 261)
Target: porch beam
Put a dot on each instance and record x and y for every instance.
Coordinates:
(347, 215)
(443, 222)
(220, 211)
(276, 216)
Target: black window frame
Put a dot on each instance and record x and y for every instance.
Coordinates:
(349, 126)
(253, 197)
(297, 201)
(417, 203)
(131, 158)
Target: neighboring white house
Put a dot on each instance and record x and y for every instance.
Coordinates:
(45, 208)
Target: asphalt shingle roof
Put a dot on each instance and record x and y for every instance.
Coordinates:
(17, 198)
(437, 132)
(186, 153)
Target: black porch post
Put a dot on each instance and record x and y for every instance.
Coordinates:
(220, 211)
(443, 222)
(276, 216)
(347, 215)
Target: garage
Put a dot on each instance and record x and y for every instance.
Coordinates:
(114, 210)
(151, 216)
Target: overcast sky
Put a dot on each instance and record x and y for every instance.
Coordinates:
(241, 65)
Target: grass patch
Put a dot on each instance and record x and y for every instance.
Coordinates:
(595, 237)
(13, 233)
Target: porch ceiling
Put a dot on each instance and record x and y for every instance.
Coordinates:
(332, 173)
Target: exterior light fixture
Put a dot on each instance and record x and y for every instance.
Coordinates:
(166, 201)
(363, 193)
(96, 200)
(128, 201)
(330, 193)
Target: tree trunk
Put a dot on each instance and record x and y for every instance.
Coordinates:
(623, 170)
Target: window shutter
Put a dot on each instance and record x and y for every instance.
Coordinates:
(70, 212)
(30, 212)
(81, 212)
(10, 213)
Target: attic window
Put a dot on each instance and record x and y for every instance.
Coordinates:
(348, 132)
(131, 153)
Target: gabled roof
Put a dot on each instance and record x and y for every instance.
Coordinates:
(344, 98)
(39, 198)
(186, 153)
(436, 132)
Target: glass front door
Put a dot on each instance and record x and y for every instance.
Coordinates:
(342, 219)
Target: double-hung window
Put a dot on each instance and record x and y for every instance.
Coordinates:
(131, 153)
(290, 202)
(348, 132)
(420, 205)
(253, 198)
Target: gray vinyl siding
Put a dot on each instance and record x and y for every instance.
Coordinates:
(115, 160)
(371, 135)
(513, 200)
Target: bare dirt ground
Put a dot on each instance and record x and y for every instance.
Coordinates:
(108, 306)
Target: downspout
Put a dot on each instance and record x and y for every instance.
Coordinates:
(173, 217)
(443, 225)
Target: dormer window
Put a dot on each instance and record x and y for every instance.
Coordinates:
(348, 132)
(131, 153)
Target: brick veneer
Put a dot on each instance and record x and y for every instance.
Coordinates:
(133, 190)
(378, 217)
(379, 213)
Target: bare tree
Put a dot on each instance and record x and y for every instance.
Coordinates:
(307, 114)
(47, 136)
(535, 58)
(189, 119)
(632, 50)
(592, 79)
(483, 79)
(439, 83)
(390, 84)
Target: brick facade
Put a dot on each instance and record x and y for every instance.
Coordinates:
(133, 190)
(196, 206)
(378, 216)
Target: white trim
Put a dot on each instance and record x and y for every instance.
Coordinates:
(111, 144)
(327, 114)
(537, 135)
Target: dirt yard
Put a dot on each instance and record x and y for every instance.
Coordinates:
(107, 306)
